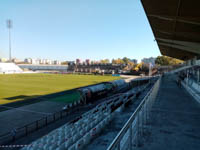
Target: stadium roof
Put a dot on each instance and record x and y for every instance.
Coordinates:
(176, 26)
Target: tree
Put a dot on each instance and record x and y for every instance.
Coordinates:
(105, 61)
(162, 61)
(117, 61)
(126, 60)
(165, 61)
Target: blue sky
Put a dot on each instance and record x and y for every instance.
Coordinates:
(70, 29)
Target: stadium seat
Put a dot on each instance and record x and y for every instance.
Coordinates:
(98, 128)
(101, 124)
(68, 143)
(96, 121)
(10, 68)
(86, 138)
(82, 132)
(87, 128)
(46, 146)
(52, 147)
(93, 132)
(79, 144)
(72, 147)
(91, 125)
(74, 132)
(62, 146)
(75, 136)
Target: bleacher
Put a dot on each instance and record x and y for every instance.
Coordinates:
(9, 68)
(80, 131)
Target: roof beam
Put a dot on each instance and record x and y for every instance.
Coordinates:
(187, 46)
(167, 18)
(194, 45)
(178, 47)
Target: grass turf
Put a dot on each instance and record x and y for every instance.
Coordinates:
(16, 87)
(67, 98)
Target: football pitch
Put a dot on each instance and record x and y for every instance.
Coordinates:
(16, 87)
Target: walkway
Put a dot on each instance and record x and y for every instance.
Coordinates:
(175, 123)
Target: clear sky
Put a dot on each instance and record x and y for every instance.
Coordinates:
(70, 29)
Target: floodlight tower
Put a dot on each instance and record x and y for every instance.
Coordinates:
(9, 26)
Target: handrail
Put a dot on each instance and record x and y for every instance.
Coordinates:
(120, 135)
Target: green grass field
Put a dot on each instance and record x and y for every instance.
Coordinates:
(15, 87)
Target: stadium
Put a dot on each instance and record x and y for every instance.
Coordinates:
(42, 109)
(48, 109)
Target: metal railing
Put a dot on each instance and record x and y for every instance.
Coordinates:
(33, 126)
(134, 129)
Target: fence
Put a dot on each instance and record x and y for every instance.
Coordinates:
(34, 126)
(132, 132)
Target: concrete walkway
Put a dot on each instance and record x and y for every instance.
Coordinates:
(175, 123)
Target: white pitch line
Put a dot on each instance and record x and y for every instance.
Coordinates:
(26, 110)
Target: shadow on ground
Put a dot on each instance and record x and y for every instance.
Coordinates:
(21, 97)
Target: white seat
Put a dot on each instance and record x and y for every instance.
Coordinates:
(78, 135)
(98, 128)
(68, 135)
(83, 125)
(82, 132)
(93, 132)
(104, 122)
(72, 147)
(79, 144)
(52, 147)
(46, 146)
(60, 141)
(58, 148)
(68, 143)
(96, 121)
(66, 130)
(79, 128)
(87, 138)
(107, 120)
(49, 140)
(74, 132)
(75, 138)
(62, 146)
(92, 125)
(87, 128)
(101, 124)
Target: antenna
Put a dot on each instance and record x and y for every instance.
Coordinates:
(9, 26)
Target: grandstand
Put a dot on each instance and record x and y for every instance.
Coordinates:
(44, 67)
(85, 128)
(81, 123)
(166, 117)
(9, 68)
